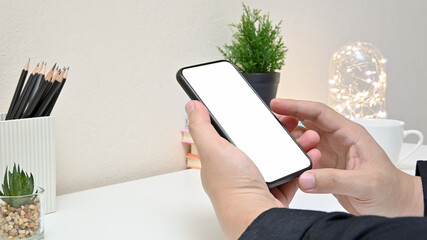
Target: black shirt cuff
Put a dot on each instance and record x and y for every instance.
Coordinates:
(283, 223)
(289, 220)
(421, 171)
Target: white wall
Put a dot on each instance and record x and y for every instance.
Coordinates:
(315, 29)
(120, 113)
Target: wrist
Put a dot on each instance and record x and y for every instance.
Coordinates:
(236, 212)
(418, 197)
(415, 197)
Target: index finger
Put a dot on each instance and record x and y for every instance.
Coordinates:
(320, 114)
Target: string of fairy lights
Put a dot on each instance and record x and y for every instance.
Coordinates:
(358, 81)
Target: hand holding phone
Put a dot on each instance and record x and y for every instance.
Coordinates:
(240, 116)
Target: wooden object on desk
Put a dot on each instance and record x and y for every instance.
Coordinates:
(192, 158)
(193, 161)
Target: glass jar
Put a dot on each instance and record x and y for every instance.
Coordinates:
(21, 217)
(357, 81)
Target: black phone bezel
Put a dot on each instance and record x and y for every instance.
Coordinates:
(193, 96)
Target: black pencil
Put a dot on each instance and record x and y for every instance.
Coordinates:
(49, 79)
(21, 99)
(52, 103)
(53, 90)
(18, 89)
(39, 79)
(50, 82)
(27, 95)
(37, 98)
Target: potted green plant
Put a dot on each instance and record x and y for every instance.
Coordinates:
(258, 51)
(21, 215)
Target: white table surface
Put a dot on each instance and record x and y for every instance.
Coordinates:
(169, 206)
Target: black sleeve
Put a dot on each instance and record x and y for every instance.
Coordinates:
(421, 171)
(283, 223)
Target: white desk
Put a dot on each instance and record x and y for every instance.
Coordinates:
(169, 206)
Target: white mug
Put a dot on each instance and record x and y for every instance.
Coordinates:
(389, 134)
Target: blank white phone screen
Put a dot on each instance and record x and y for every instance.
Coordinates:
(246, 120)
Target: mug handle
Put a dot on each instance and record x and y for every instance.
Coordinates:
(419, 143)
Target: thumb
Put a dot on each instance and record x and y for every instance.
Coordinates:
(203, 133)
(335, 181)
(196, 111)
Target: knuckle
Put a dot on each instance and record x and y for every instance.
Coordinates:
(194, 124)
(322, 105)
(323, 110)
(360, 128)
(298, 132)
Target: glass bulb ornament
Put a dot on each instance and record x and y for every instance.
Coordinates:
(358, 81)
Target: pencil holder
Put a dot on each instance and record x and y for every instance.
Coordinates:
(30, 143)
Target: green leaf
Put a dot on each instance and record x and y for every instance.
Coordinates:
(9, 184)
(31, 184)
(4, 185)
(15, 182)
(18, 183)
(257, 45)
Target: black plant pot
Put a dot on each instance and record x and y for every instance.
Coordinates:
(265, 84)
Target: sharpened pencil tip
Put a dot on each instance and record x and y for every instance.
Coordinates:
(27, 65)
(66, 73)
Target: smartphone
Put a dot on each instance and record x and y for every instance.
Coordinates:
(240, 116)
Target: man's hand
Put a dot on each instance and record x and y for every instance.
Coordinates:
(236, 188)
(353, 166)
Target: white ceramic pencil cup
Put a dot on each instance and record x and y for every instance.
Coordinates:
(30, 143)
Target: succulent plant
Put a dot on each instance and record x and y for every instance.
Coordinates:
(18, 183)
